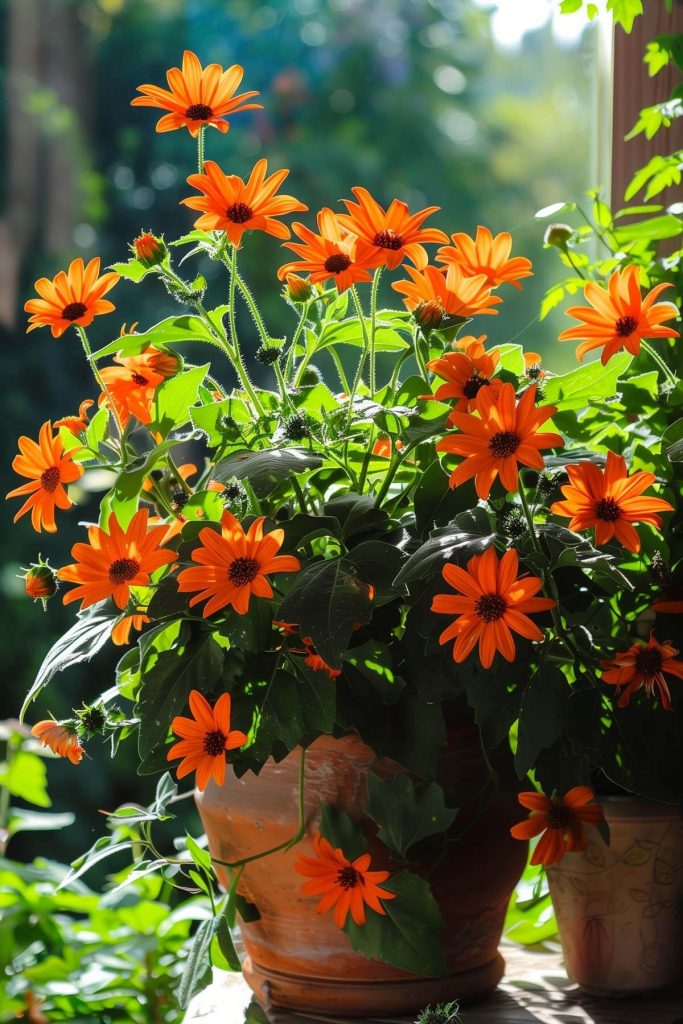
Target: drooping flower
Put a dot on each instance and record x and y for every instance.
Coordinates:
(492, 603)
(618, 317)
(466, 373)
(133, 383)
(610, 500)
(346, 885)
(228, 203)
(61, 739)
(76, 424)
(502, 436)
(486, 255)
(332, 253)
(643, 665)
(113, 561)
(204, 739)
(48, 468)
(457, 295)
(71, 298)
(120, 634)
(561, 821)
(393, 234)
(197, 97)
(233, 565)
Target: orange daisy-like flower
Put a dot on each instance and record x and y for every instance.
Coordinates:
(133, 383)
(346, 885)
(113, 562)
(197, 97)
(333, 253)
(120, 634)
(393, 234)
(486, 255)
(503, 436)
(533, 370)
(492, 604)
(230, 204)
(466, 373)
(643, 664)
(48, 468)
(560, 820)
(61, 739)
(233, 565)
(454, 293)
(610, 500)
(76, 424)
(205, 738)
(74, 297)
(619, 317)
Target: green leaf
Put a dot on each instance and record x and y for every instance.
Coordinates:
(470, 534)
(173, 399)
(125, 493)
(200, 856)
(435, 502)
(378, 563)
(407, 813)
(25, 776)
(407, 935)
(350, 332)
(266, 469)
(133, 270)
(541, 716)
(672, 441)
(171, 331)
(372, 662)
(212, 419)
(197, 967)
(651, 230)
(22, 819)
(625, 12)
(343, 833)
(578, 388)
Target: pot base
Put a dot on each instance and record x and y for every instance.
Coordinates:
(350, 998)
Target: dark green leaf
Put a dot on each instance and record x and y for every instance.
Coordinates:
(266, 469)
(341, 832)
(197, 968)
(541, 715)
(469, 535)
(407, 813)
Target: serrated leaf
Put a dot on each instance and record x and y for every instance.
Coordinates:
(265, 469)
(406, 813)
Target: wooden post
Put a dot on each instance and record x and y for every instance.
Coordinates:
(634, 89)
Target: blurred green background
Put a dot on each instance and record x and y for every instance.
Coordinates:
(484, 108)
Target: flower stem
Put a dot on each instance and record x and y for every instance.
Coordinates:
(294, 341)
(103, 387)
(547, 575)
(373, 325)
(235, 353)
(655, 356)
(200, 149)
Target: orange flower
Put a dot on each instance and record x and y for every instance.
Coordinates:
(332, 253)
(560, 820)
(383, 447)
(610, 500)
(343, 884)
(486, 255)
(76, 424)
(669, 602)
(113, 562)
(48, 467)
(618, 317)
(466, 374)
(74, 297)
(643, 664)
(493, 603)
(233, 565)
(504, 435)
(532, 366)
(120, 634)
(198, 96)
(457, 295)
(133, 383)
(149, 249)
(205, 738)
(61, 739)
(286, 628)
(314, 661)
(40, 582)
(230, 204)
(393, 234)
(462, 344)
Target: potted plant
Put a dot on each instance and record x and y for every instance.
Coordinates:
(351, 595)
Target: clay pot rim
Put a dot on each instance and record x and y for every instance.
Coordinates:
(617, 806)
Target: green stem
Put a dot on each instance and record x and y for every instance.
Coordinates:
(577, 270)
(419, 358)
(236, 354)
(288, 843)
(294, 341)
(373, 325)
(251, 303)
(103, 387)
(547, 575)
(200, 149)
(343, 380)
(299, 493)
(655, 356)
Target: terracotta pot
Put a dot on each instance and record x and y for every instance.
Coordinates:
(298, 959)
(620, 907)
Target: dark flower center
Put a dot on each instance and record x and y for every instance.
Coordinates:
(49, 479)
(649, 661)
(199, 112)
(123, 570)
(74, 311)
(242, 571)
(473, 386)
(348, 877)
(214, 743)
(504, 443)
(559, 817)
(337, 263)
(607, 509)
(239, 213)
(490, 607)
(388, 239)
(534, 372)
(179, 498)
(138, 379)
(625, 326)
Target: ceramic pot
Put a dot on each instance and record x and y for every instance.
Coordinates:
(620, 907)
(298, 959)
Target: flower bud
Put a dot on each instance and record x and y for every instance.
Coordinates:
(298, 288)
(150, 250)
(267, 355)
(40, 581)
(92, 718)
(558, 235)
(430, 315)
